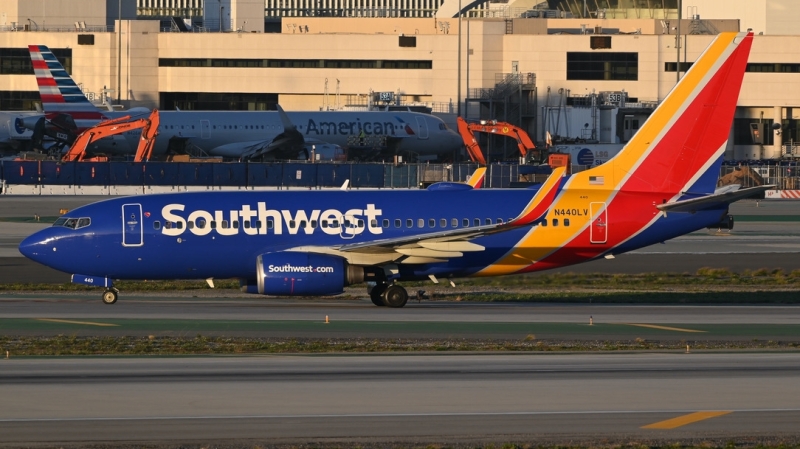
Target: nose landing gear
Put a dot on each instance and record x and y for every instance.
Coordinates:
(110, 296)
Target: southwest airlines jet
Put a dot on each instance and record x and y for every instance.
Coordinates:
(238, 134)
(660, 186)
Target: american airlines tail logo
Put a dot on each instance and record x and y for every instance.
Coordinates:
(259, 220)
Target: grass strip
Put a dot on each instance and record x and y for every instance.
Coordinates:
(772, 278)
(71, 345)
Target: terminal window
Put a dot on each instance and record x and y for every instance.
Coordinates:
(610, 66)
(17, 61)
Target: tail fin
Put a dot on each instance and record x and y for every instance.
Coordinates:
(685, 137)
(476, 180)
(57, 88)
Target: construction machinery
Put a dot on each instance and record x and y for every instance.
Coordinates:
(467, 131)
(149, 126)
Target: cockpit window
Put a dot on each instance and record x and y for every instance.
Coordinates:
(73, 223)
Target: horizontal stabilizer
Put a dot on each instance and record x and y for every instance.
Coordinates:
(712, 201)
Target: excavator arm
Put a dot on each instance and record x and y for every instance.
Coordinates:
(78, 149)
(470, 142)
(468, 130)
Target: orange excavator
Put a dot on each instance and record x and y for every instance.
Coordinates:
(149, 127)
(468, 130)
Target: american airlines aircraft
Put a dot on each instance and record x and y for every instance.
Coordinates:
(660, 186)
(238, 134)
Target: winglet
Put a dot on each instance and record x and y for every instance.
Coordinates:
(477, 177)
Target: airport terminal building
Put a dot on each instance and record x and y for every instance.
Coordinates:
(525, 63)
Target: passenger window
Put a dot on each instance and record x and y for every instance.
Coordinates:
(443, 223)
(431, 222)
(224, 224)
(476, 222)
(258, 224)
(488, 221)
(544, 222)
(499, 221)
(360, 223)
(454, 222)
(302, 223)
(246, 224)
(324, 223)
(190, 224)
(398, 223)
(465, 222)
(335, 223)
(157, 225)
(421, 223)
(566, 222)
(314, 224)
(269, 224)
(213, 224)
(179, 225)
(409, 223)
(168, 225)
(201, 223)
(385, 223)
(555, 222)
(236, 224)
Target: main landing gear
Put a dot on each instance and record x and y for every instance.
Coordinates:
(110, 296)
(391, 295)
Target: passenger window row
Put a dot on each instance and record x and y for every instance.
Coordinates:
(385, 223)
(554, 222)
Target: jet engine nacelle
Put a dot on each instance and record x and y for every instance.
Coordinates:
(298, 274)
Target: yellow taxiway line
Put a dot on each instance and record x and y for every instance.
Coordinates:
(89, 323)
(666, 328)
(684, 420)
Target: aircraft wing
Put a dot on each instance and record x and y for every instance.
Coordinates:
(722, 197)
(286, 145)
(421, 248)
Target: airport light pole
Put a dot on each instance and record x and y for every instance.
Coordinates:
(119, 51)
(678, 43)
(458, 84)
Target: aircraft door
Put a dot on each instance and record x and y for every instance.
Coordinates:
(423, 128)
(598, 232)
(132, 227)
(205, 129)
(631, 124)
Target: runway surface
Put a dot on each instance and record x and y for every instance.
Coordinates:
(400, 398)
(255, 317)
(395, 398)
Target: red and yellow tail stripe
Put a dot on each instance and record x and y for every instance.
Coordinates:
(683, 137)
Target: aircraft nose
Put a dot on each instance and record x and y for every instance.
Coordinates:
(34, 247)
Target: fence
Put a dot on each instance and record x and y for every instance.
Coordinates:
(31, 177)
(784, 177)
